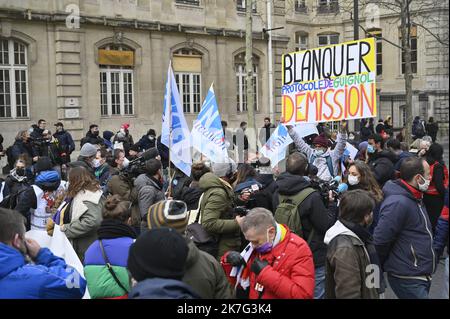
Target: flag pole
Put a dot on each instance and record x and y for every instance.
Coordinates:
(170, 127)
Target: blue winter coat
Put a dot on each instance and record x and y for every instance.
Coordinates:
(162, 288)
(403, 236)
(101, 284)
(50, 278)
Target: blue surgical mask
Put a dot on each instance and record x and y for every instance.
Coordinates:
(319, 152)
(370, 149)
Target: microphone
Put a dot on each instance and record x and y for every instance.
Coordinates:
(343, 187)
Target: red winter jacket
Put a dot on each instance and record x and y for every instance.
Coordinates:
(290, 274)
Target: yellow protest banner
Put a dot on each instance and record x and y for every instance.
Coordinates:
(330, 83)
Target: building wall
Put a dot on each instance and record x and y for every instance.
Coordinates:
(62, 61)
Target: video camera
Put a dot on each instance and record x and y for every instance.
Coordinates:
(324, 187)
(136, 167)
(39, 141)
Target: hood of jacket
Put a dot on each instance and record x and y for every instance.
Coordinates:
(392, 188)
(384, 154)
(265, 179)
(79, 207)
(209, 180)
(161, 288)
(10, 260)
(144, 180)
(338, 229)
(289, 184)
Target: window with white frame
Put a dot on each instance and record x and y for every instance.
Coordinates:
(301, 41)
(240, 5)
(13, 79)
(328, 39)
(327, 6)
(241, 83)
(116, 84)
(187, 64)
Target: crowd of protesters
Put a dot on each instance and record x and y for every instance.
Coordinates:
(320, 229)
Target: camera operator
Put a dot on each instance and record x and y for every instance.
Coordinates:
(246, 186)
(315, 218)
(23, 145)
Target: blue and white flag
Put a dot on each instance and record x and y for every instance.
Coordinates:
(275, 148)
(175, 132)
(207, 133)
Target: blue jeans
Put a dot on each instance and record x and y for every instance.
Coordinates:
(319, 289)
(409, 288)
(445, 294)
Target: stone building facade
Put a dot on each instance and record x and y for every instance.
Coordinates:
(50, 70)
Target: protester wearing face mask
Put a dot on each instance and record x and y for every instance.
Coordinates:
(276, 264)
(360, 176)
(149, 186)
(147, 141)
(124, 137)
(434, 196)
(92, 136)
(87, 158)
(102, 169)
(403, 236)
(327, 161)
(30, 272)
(381, 161)
(14, 183)
(351, 250)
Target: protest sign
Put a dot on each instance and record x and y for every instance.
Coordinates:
(330, 83)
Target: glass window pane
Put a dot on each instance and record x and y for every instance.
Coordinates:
(4, 52)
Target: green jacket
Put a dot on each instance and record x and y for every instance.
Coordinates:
(215, 210)
(85, 220)
(205, 275)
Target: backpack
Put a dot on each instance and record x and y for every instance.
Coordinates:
(10, 201)
(287, 212)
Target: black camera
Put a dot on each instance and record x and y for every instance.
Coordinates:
(241, 211)
(39, 141)
(324, 188)
(136, 167)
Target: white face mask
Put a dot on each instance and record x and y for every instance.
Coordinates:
(97, 163)
(126, 162)
(424, 187)
(353, 180)
(122, 130)
(319, 152)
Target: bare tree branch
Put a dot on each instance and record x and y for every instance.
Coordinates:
(431, 33)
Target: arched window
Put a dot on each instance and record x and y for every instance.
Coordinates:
(187, 67)
(116, 80)
(13, 79)
(241, 82)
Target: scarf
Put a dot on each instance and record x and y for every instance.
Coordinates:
(18, 178)
(242, 273)
(113, 228)
(414, 191)
(365, 236)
